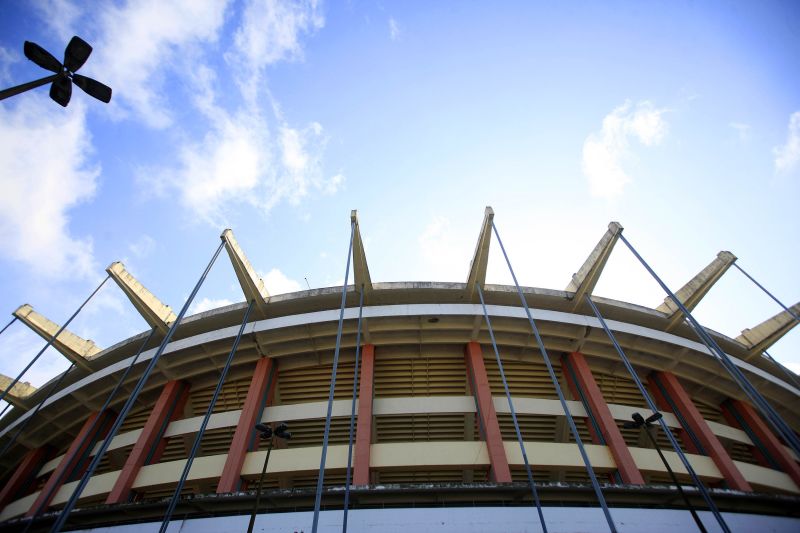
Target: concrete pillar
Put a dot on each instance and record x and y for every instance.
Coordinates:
(499, 471)
(671, 396)
(744, 416)
(259, 396)
(150, 444)
(584, 387)
(23, 475)
(73, 463)
(364, 422)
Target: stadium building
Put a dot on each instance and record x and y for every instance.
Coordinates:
(437, 444)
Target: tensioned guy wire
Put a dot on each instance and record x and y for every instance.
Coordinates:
(352, 413)
(52, 339)
(528, 471)
(652, 406)
(27, 421)
(589, 470)
(94, 423)
(788, 372)
(323, 457)
(7, 325)
(760, 286)
(62, 518)
(758, 400)
(199, 437)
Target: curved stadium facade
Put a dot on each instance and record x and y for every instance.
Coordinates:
(434, 443)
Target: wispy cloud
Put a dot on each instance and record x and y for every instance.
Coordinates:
(277, 282)
(46, 172)
(787, 155)
(604, 152)
(207, 304)
(143, 246)
(394, 29)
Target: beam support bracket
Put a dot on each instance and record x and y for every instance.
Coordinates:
(764, 335)
(154, 312)
(252, 284)
(584, 281)
(74, 348)
(477, 268)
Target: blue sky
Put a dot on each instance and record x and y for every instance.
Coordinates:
(681, 120)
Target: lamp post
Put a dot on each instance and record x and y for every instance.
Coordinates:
(75, 55)
(266, 433)
(638, 422)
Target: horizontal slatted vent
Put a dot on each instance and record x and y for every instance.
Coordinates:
(230, 398)
(423, 427)
(619, 390)
(532, 427)
(525, 378)
(420, 376)
(313, 383)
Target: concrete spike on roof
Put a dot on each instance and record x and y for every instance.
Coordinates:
(584, 281)
(764, 335)
(154, 312)
(360, 268)
(71, 346)
(694, 291)
(19, 394)
(477, 268)
(251, 283)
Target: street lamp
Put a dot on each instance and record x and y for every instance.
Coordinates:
(638, 422)
(266, 433)
(75, 55)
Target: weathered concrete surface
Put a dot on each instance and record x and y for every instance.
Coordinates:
(154, 312)
(252, 285)
(70, 345)
(477, 268)
(360, 268)
(764, 335)
(584, 281)
(694, 291)
(21, 391)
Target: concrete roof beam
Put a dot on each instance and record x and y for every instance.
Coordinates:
(252, 284)
(19, 394)
(693, 292)
(584, 281)
(71, 346)
(764, 335)
(480, 260)
(154, 312)
(360, 268)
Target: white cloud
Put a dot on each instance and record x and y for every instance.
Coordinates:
(788, 155)
(606, 150)
(207, 304)
(394, 29)
(45, 173)
(278, 283)
(444, 250)
(7, 58)
(143, 246)
(62, 18)
(141, 41)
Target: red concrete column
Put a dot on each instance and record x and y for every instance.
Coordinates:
(72, 463)
(580, 379)
(747, 415)
(667, 384)
(479, 383)
(24, 474)
(259, 395)
(364, 422)
(148, 447)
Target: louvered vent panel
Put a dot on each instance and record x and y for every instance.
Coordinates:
(524, 378)
(540, 475)
(428, 476)
(741, 452)
(135, 419)
(113, 460)
(420, 376)
(619, 390)
(310, 432)
(215, 441)
(230, 398)
(332, 479)
(532, 427)
(313, 383)
(176, 448)
(423, 427)
(581, 476)
(636, 438)
(710, 412)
